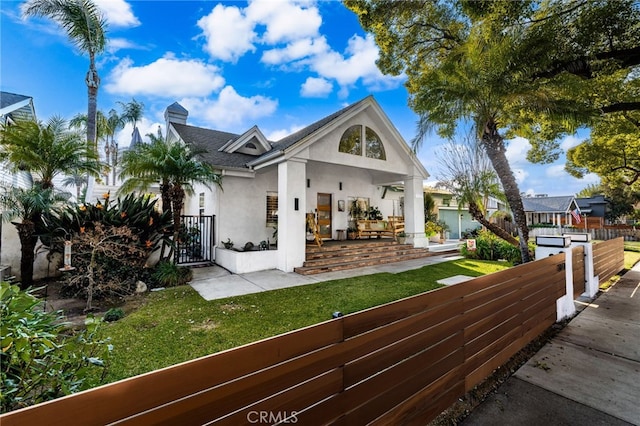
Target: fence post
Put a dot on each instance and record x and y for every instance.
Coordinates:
(564, 305)
(592, 283)
(549, 245)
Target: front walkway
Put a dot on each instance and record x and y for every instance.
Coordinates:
(588, 374)
(214, 282)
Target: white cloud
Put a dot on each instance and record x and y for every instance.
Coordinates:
(118, 13)
(115, 44)
(521, 175)
(294, 51)
(145, 126)
(556, 171)
(230, 109)
(228, 32)
(167, 77)
(517, 149)
(570, 141)
(316, 88)
(358, 62)
(285, 21)
(276, 135)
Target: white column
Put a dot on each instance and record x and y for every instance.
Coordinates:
(292, 177)
(414, 211)
(592, 283)
(565, 307)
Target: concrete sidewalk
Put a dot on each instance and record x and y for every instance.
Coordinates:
(588, 374)
(214, 282)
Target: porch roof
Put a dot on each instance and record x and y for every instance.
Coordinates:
(560, 204)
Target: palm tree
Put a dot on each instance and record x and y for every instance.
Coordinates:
(132, 112)
(85, 26)
(46, 150)
(172, 165)
(28, 205)
(467, 173)
(114, 123)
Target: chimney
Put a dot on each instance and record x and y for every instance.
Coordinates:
(175, 113)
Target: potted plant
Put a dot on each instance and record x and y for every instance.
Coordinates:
(432, 230)
(352, 233)
(228, 244)
(401, 237)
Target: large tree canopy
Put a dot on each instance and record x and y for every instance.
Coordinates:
(538, 69)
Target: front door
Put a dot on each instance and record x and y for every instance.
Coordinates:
(324, 215)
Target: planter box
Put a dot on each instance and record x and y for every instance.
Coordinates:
(241, 262)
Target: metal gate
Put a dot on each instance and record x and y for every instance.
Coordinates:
(195, 241)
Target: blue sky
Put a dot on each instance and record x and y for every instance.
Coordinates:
(278, 64)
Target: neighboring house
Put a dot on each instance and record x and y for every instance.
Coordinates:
(355, 153)
(596, 206)
(546, 210)
(13, 107)
(458, 218)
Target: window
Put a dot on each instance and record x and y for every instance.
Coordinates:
(272, 208)
(375, 149)
(351, 141)
(251, 145)
(446, 202)
(201, 203)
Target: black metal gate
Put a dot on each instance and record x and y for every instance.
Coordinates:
(195, 242)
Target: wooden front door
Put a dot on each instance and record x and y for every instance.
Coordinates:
(324, 215)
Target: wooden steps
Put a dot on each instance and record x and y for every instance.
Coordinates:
(341, 255)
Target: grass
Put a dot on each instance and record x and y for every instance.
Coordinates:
(177, 325)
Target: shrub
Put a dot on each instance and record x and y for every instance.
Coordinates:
(40, 359)
(490, 247)
(111, 242)
(113, 314)
(168, 274)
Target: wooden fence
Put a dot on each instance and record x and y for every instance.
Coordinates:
(607, 258)
(400, 363)
(628, 234)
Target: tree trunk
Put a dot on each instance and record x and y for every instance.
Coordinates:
(93, 82)
(493, 144)
(479, 216)
(28, 241)
(177, 201)
(165, 196)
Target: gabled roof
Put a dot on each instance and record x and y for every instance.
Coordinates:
(210, 141)
(252, 142)
(229, 150)
(560, 204)
(16, 107)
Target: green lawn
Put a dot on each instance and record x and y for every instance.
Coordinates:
(176, 324)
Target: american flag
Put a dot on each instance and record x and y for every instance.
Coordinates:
(576, 215)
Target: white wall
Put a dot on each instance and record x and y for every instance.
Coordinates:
(240, 207)
(10, 255)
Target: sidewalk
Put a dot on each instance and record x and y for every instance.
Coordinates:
(588, 374)
(214, 282)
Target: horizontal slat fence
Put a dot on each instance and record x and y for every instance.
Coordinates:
(400, 363)
(607, 258)
(579, 277)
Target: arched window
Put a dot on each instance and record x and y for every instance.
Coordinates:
(351, 141)
(251, 145)
(375, 149)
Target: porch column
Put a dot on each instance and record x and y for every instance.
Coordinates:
(414, 211)
(292, 177)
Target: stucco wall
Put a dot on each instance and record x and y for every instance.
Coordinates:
(10, 255)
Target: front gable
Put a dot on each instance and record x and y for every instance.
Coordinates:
(252, 142)
(360, 136)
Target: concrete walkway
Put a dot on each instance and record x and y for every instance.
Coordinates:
(214, 282)
(588, 374)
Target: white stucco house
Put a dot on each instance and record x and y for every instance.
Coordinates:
(355, 153)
